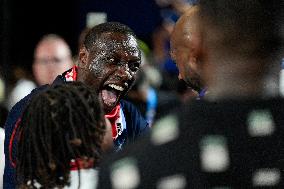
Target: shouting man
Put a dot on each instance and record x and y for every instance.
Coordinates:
(108, 62)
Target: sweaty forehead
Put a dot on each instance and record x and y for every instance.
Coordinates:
(180, 39)
(115, 41)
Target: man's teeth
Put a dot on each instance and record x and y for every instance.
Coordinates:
(119, 88)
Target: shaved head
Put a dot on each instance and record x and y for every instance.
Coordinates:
(186, 27)
(185, 48)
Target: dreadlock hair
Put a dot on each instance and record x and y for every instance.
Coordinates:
(113, 27)
(62, 124)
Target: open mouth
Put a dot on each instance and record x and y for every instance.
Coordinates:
(110, 95)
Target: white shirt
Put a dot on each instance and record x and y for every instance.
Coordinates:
(23, 88)
(88, 178)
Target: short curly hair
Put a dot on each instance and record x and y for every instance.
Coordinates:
(114, 27)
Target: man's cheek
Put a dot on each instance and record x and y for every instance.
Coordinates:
(96, 68)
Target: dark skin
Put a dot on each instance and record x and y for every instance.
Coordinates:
(110, 67)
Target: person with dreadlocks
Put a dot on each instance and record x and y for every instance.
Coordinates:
(108, 61)
(61, 135)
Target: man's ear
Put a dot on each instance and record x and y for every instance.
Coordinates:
(194, 51)
(196, 44)
(83, 57)
(197, 47)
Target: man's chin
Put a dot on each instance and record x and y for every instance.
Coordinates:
(194, 85)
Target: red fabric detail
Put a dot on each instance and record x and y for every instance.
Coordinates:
(13, 163)
(113, 116)
(81, 164)
(72, 75)
(74, 70)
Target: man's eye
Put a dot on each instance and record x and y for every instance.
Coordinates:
(134, 67)
(111, 59)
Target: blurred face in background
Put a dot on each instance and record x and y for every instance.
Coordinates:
(51, 58)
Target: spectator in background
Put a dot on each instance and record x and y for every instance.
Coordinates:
(161, 48)
(52, 56)
(234, 137)
(22, 85)
(62, 133)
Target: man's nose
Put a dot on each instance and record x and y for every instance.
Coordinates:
(124, 72)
